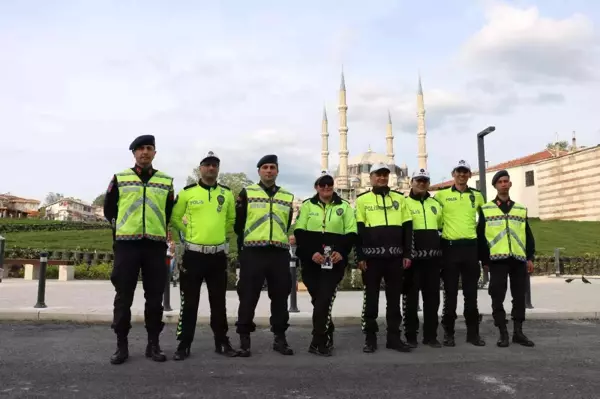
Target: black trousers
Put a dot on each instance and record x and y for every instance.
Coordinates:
(129, 260)
(391, 271)
(197, 268)
(256, 265)
(322, 285)
(460, 262)
(499, 273)
(424, 276)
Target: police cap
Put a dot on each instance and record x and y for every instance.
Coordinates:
(324, 177)
(146, 139)
(498, 175)
(210, 156)
(267, 159)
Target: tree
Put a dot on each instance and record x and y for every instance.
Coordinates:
(235, 181)
(561, 145)
(99, 199)
(53, 197)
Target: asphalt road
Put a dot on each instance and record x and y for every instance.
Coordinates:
(71, 361)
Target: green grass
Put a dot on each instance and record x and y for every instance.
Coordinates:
(578, 238)
(70, 239)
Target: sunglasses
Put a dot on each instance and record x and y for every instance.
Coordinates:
(323, 184)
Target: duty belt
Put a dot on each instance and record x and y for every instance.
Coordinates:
(207, 249)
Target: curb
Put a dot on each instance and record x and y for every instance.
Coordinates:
(296, 319)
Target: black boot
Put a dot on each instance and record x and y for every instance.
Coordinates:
(329, 342)
(153, 350)
(395, 342)
(473, 334)
(244, 345)
(432, 342)
(280, 345)
(183, 351)
(122, 353)
(370, 343)
(223, 347)
(519, 337)
(449, 336)
(319, 347)
(503, 340)
(411, 340)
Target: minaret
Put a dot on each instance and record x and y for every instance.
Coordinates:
(343, 129)
(389, 141)
(421, 131)
(324, 142)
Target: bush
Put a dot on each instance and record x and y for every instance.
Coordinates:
(37, 225)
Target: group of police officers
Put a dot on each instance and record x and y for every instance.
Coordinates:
(409, 242)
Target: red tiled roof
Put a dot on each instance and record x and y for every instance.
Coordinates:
(526, 160)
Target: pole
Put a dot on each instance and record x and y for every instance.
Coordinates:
(2, 242)
(293, 269)
(167, 293)
(481, 156)
(557, 261)
(41, 303)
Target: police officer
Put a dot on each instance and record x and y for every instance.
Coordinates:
(460, 204)
(383, 251)
(209, 208)
(424, 272)
(507, 247)
(263, 218)
(138, 204)
(325, 233)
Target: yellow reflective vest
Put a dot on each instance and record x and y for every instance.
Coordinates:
(141, 208)
(267, 217)
(505, 233)
(427, 220)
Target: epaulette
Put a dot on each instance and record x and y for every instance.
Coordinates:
(190, 186)
(397, 192)
(366, 192)
(474, 189)
(345, 200)
(308, 199)
(224, 186)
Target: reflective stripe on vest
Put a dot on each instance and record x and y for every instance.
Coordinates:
(142, 206)
(267, 217)
(505, 233)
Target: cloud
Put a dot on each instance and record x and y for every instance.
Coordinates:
(524, 46)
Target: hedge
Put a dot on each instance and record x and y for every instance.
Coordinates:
(55, 226)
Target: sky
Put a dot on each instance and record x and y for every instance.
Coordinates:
(79, 80)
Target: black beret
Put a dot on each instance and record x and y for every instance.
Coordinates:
(267, 159)
(498, 175)
(146, 139)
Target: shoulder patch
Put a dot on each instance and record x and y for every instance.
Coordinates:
(190, 186)
(224, 186)
(361, 194)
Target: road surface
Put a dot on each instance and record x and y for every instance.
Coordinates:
(71, 361)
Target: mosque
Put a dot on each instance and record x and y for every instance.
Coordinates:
(352, 175)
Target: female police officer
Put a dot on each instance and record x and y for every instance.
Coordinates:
(325, 233)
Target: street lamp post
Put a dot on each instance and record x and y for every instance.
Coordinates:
(481, 152)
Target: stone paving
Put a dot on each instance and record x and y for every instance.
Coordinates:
(91, 301)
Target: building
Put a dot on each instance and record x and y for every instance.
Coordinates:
(522, 173)
(71, 209)
(569, 186)
(16, 207)
(352, 174)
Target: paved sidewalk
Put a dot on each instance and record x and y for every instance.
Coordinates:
(91, 301)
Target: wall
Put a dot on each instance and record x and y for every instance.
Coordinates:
(569, 186)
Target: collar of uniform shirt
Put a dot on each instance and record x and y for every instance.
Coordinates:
(467, 189)
(206, 186)
(500, 202)
(381, 190)
(149, 171)
(419, 197)
(268, 189)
